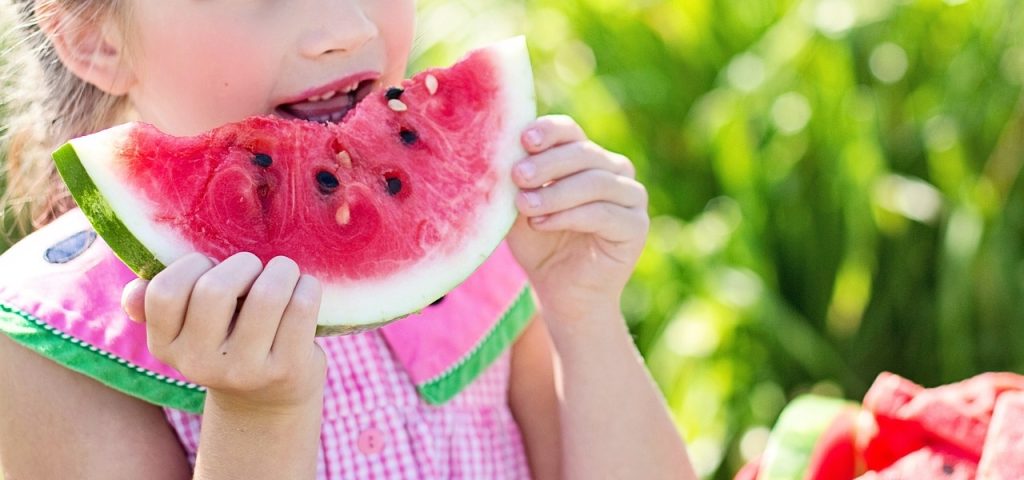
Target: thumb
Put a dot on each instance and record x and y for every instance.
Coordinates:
(133, 299)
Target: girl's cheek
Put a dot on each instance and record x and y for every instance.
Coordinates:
(396, 20)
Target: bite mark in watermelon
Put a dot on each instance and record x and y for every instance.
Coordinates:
(390, 209)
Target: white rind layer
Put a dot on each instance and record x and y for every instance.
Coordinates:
(364, 302)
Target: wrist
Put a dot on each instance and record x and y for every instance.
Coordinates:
(239, 406)
(586, 327)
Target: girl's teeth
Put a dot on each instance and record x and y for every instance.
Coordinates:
(322, 98)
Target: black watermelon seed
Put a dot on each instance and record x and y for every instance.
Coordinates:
(409, 137)
(437, 302)
(947, 469)
(262, 160)
(394, 185)
(327, 181)
(393, 93)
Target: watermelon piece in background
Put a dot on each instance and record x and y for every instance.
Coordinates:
(1003, 457)
(893, 437)
(390, 209)
(929, 463)
(813, 439)
(889, 393)
(956, 415)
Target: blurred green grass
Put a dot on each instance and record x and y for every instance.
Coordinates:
(835, 186)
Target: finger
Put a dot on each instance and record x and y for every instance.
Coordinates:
(167, 298)
(565, 160)
(298, 324)
(263, 308)
(215, 298)
(609, 221)
(582, 188)
(551, 131)
(133, 300)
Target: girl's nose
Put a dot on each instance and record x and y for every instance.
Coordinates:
(343, 28)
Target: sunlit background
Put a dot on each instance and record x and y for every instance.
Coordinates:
(836, 186)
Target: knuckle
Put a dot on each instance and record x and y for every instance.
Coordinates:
(262, 293)
(644, 195)
(304, 305)
(279, 373)
(240, 379)
(212, 286)
(586, 147)
(625, 164)
(159, 295)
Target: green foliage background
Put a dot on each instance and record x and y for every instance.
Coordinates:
(836, 186)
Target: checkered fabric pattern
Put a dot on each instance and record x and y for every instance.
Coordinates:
(375, 426)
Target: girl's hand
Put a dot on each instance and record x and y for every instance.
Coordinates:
(257, 355)
(583, 219)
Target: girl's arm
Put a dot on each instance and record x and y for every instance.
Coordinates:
(602, 418)
(582, 226)
(58, 424)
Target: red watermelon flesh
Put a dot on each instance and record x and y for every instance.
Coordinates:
(390, 209)
(835, 455)
(929, 463)
(894, 436)
(889, 393)
(1003, 458)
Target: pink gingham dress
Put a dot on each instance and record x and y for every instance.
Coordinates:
(408, 401)
(376, 426)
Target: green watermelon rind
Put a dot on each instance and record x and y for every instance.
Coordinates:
(102, 216)
(792, 441)
(109, 369)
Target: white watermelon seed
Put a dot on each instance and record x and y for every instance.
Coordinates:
(344, 159)
(397, 105)
(431, 83)
(342, 216)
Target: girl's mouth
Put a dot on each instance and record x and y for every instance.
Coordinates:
(329, 107)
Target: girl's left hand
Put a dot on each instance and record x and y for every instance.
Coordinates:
(583, 219)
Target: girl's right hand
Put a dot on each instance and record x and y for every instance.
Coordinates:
(256, 355)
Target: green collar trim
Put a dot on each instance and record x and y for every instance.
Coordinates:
(442, 388)
(109, 369)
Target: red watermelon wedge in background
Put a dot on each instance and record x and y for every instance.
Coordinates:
(390, 209)
(965, 430)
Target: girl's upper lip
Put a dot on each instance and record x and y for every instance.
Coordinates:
(334, 86)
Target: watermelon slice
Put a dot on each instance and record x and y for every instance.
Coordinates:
(1003, 458)
(390, 209)
(955, 416)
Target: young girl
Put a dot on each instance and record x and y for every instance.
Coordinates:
(568, 398)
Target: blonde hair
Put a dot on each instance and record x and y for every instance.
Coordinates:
(45, 105)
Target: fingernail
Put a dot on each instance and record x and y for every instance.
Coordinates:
(526, 169)
(534, 137)
(540, 219)
(532, 199)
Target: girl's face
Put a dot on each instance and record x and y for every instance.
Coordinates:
(197, 64)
